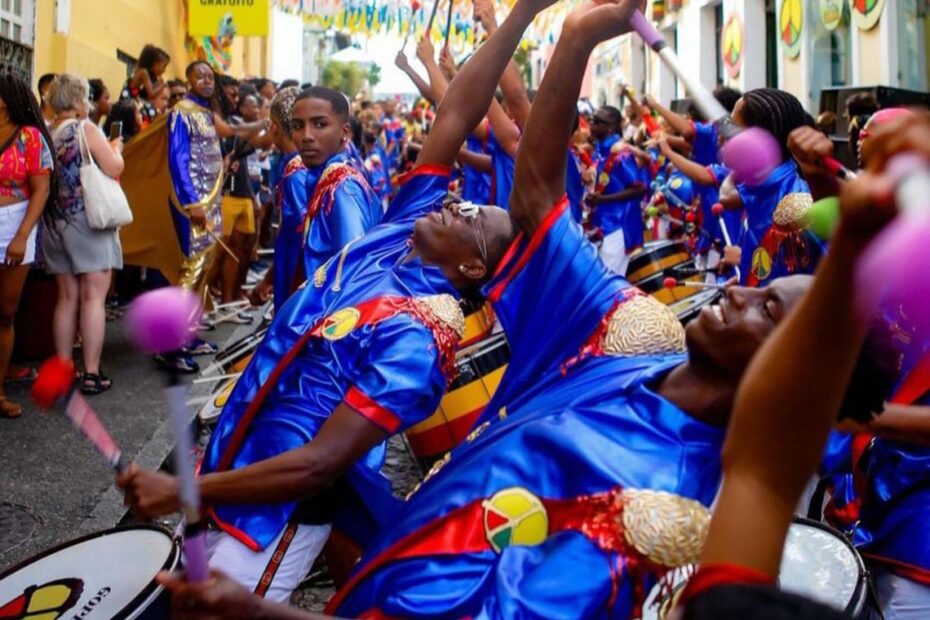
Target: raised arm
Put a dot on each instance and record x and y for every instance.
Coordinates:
(404, 65)
(815, 349)
(691, 169)
(678, 122)
(470, 94)
(511, 83)
(437, 80)
(539, 179)
(478, 161)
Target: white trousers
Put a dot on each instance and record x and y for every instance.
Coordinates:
(613, 252)
(900, 598)
(248, 567)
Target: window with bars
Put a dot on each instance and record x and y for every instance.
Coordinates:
(16, 20)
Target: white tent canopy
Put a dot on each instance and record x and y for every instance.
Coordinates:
(353, 54)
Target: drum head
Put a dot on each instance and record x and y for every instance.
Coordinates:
(688, 308)
(105, 575)
(818, 563)
(210, 411)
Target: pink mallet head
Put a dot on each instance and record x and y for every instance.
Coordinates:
(164, 320)
(717, 210)
(669, 282)
(751, 154)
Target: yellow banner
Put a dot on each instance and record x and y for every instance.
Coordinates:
(213, 18)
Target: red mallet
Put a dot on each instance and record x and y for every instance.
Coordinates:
(690, 217)
(660, 198)
(54, 384)
(672, 283)
(838, 169)
(163, 320)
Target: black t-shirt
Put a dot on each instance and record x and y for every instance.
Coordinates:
(238, 184)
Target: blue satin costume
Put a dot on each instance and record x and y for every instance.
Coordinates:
(477, 184)
(574, 184)
(391, 372)
(291, 193)
(337, 213)
(502, 166)
(619, 172)
(598, 422)
(378, 175)
(195, 163)
(759, 203)
(603, 149)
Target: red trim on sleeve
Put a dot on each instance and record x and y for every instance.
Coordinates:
(902, 569)
(713, 176)
(538, 237)
(371, 410)
(233, 531)
(712, 575)
(426, 169)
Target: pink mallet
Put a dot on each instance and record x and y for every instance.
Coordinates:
(751, 154)
(902, 244)
(164, 320)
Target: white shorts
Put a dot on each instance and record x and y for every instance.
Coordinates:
(11, 218)
(250, 568)
(613, 252)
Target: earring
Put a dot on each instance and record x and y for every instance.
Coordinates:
(462, 268)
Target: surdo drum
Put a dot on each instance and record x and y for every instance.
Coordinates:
(102, 576)
(818, 563)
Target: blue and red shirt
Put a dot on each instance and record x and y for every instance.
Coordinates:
(291, 195)
(502, 167)
(357, 333)
(341, 207)
(476, 187)
(495, 526)
(618, 173)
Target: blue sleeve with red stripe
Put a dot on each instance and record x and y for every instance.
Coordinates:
(400, 380)
(421, 191)
(551, 293)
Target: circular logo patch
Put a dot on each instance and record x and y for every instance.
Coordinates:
(676, 183)
(604, 179)
(761, 264)
(514, 516)
(340, 323)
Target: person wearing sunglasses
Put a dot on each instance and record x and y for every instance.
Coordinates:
(363, 351)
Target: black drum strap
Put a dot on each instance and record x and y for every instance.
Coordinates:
(276, 558)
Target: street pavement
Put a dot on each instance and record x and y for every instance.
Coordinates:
(54, 483)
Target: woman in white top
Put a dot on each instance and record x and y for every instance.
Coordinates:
(80, 257)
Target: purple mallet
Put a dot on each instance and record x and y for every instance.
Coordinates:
(164, 320)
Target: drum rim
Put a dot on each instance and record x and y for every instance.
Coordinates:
(860, 592)
(149, 593)
(240, 346)
(644, 252)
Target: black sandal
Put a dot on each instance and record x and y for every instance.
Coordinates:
(95, 383)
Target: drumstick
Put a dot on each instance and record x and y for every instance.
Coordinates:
(217, 378)
(161, 322)
(672, 283)
(752, 153)
(717, 210)
(445, 44)
(432, 18)
(219, 240)
(838, 169)
(54, 385)
(232, 304)
(414, 7)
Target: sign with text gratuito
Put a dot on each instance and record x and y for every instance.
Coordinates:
(227, 18)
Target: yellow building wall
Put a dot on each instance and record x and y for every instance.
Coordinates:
(793, 76)
(871, 58)
(99, 28)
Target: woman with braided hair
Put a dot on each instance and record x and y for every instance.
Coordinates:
(775, 243)
(27, 180)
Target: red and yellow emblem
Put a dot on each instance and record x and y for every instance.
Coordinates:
(514, 516)
(867, 13)
(790, 25)
(339, 324)
(732, 45)
(49, 601)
